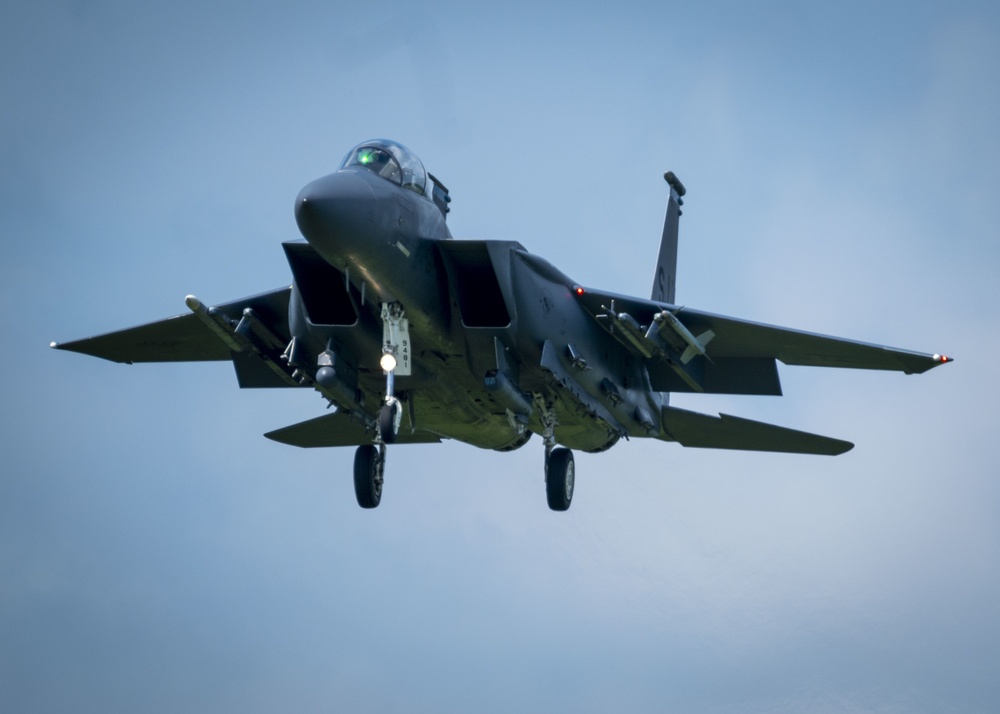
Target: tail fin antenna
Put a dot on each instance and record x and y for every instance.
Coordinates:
(665, 279)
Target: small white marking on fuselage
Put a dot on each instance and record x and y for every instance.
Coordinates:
(403, 249)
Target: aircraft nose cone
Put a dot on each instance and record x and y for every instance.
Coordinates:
(338, 209)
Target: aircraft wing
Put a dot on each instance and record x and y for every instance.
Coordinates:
(183, 338)
(797, 347)
(743, 340)
(339, 429)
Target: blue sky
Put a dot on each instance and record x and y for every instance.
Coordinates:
(157, 554)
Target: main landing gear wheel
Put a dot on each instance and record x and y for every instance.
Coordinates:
(368, 464)
(560, 477)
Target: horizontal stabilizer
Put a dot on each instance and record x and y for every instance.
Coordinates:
(184, 338)
(729, 432)
(339, 429)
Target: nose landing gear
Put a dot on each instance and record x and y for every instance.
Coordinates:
(389, 418)
(395, 359)
(369, 467)
(369, 459)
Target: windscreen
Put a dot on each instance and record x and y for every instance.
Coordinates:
(391, 161)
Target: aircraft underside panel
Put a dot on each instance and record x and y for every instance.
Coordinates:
(463, 413)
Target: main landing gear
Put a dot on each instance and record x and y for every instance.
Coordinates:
(560, 477)
(369, 470)
(560, 470)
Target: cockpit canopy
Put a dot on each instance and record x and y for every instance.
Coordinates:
(391, 161)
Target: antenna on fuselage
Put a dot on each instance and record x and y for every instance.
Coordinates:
(665, 278)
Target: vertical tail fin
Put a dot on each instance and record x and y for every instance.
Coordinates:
(665, 279)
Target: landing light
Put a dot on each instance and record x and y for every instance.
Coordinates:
(388, 362)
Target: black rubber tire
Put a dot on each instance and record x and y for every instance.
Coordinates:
(560, 479)
(387, 423)
(367, 484)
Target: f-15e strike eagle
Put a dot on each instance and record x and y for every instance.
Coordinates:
(415, 337)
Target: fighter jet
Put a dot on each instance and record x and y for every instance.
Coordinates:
(411, 336)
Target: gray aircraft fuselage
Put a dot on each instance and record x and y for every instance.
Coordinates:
(388, 240)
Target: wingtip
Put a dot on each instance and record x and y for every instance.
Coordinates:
(926, 362)
(844, 448)
(936, 360)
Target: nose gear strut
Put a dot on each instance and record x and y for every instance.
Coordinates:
(395, 360)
